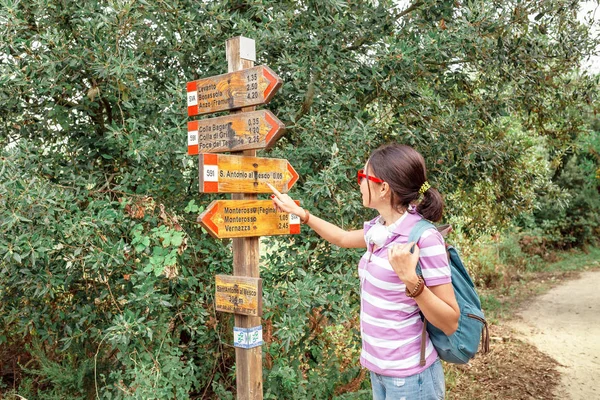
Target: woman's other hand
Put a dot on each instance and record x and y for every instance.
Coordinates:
(404, 262)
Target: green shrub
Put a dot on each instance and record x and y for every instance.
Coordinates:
(572, 222)
(102, 293)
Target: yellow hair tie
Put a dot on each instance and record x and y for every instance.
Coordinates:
(425, 187)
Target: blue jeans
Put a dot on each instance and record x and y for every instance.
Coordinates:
(428, 385)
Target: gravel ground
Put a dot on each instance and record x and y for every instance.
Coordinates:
(564, 323)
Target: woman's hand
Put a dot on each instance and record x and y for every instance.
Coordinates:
(283, 202)
(404, 262)
(437, 303)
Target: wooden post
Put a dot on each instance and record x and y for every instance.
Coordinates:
(241, 54)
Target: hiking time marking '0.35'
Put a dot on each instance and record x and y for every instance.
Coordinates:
(235, 132)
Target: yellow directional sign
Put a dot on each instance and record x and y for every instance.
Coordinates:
(221, 173)
(243, 88)
(247, 218)
(238, 295)
(235, 132)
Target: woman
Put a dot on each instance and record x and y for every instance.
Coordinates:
(394, 182)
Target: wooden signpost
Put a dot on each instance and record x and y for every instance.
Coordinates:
(235, 132)
(245, 88)
(244, 218)
(234, 174)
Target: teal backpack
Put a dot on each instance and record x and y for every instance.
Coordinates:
(463, 344)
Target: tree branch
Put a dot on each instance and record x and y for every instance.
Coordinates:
(410, 9)
(108, 110)
(65, 103)
(308, 97)
(364, 39)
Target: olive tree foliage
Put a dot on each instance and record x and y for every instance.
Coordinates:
(106, 280)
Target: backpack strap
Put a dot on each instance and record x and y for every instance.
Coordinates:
(423, 342)
(414, 236)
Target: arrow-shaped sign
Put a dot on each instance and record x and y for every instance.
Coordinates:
(220, 173)
(235, 132)
(247, 218)
(244, 88)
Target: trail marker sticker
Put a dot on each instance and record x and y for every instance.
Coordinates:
(247, 338)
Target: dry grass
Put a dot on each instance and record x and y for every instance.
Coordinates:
(511, 370)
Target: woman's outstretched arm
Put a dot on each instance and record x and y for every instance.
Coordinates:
(328, 231)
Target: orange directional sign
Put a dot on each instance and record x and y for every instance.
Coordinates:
(235, 132)
(244, 88)
(247, 218)
(220, 173)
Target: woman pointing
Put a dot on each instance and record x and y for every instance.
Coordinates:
(394, 182)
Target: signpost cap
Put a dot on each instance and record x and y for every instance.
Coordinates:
(247, 47)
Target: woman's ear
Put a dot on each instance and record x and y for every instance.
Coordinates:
(385, 189)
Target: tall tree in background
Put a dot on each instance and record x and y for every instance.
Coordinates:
(106, 282)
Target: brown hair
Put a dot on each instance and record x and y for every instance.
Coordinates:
(403, 168)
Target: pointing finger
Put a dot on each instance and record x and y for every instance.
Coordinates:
(277, 192)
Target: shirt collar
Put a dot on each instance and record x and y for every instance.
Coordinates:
(393, 227)
(401, 227)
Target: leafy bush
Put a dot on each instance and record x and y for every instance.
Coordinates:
(572, 222)
(102, 292)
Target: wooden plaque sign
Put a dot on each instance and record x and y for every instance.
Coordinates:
(243, 88)
(235, 132)
(247, 218)
(220, 173)
(238, 295)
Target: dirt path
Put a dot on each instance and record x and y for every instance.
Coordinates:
(565, 324)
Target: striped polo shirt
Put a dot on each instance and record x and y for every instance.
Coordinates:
(389, 320)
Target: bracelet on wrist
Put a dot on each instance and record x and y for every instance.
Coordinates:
(418, 289)
(306, 216)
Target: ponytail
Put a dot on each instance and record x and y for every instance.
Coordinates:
(431, 206)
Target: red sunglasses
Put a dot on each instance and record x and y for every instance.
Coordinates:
(361, 175)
